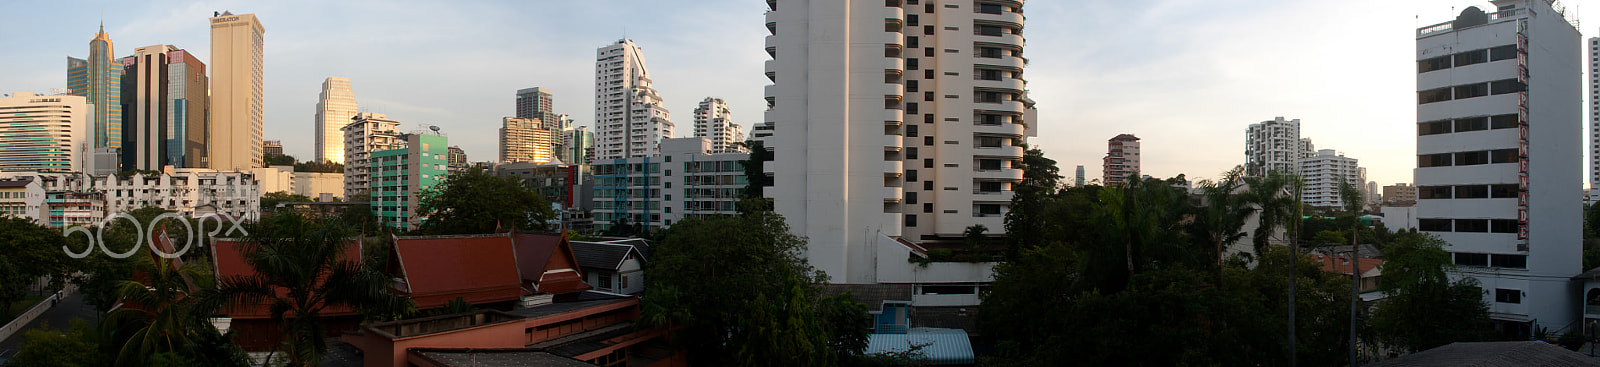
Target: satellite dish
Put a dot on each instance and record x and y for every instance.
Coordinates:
(435, 128)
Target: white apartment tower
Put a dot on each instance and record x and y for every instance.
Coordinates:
(335, 107)
(1594, 113)
(630, 118)
(713, 121)
(366, 133)
(893, 121)
(1322, 174)
(1498, 142)
(237, 100)
(1275, 145)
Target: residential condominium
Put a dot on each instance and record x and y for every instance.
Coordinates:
(686, 180)
(164, 94)
(713, 121)
(365, 134)
(99, 80)
(401, 175)
(1322, 175)
(630, 118)
(1275, 145)
(1121, 161)
(237, 98)
(190, 192)
(539, 103)
(1498, 158)
(1594, 113)
(526, 140)
(335, 107)
(1400, 192)
(918, 152)
(48, 133)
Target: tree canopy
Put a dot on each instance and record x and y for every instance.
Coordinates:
(473, 201)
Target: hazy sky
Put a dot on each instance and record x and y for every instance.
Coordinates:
(1186, 76)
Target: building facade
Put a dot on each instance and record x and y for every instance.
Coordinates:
(164, 97)
(80, 199)
(237, 100)
(99, 80)
(1079, 180)
(48, 133)
(1275, 145)
(577, 145)
(525, 140)
(539, 103)
(23, 198)
(1322, 175)
(919, 154)
(1498, 157)
(336, 106)
(714, 121)
(630, 118)
(400, 175)
(366, 133)
(1121, 161)
(1400, 192)
(685, 181)
(457, 160)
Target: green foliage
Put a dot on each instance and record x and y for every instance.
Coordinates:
(43, 347)
(1276, 199)
(270, 201)
(756, 179)
(279, 160)
(29, 251)
(1032, 220)
(475, 202)
(166, 319)
(1572, 340)
(129, 173)
(1330, 238)
(768, 307)
(1424, 308)
(319, 167)
(101, 275)
(291, 256)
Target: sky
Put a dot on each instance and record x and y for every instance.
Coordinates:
(1186, 76)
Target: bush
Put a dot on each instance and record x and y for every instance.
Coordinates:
(1572, 340)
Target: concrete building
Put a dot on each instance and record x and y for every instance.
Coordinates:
(23, 198)
(539, 103)
(568, 187)
(1275, 145)
(1594, 115)
(457, 159)
(1322, 175)
(45, 132)
(1498, 125)
(401, 174)
(336, 106)
(310, 184)
(893, 123)
(99, 81)
(686, 180)
(1079, 180)
(76, 198)
(577, 146)
(237, 98)
(713, 121)
(271, 148)
(366, 133)
(1121, 161)
(630, 118)
(525, 140)
(1399, 192)
(164, 94)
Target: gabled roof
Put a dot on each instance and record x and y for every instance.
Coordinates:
(1492, 354)
(600, 255)
(546, 264)
(228, 260)
(1341, 264)
(477, 269)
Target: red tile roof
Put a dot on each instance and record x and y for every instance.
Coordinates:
(543, 258)
(1341, 264)
(228, 260)
(479, 269)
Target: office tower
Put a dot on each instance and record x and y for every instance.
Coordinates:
(1121, 161)
(45, 133)
(164, 109)
(335, 107)
(713, 121)
(1275, 145)
(630, 118)
(1323, 173)
(99, 80)
(1079, 181)
(366, 133)
(237, 67)
(271, 148)
(1499, 157)
(525, 140)
(539, 103)
(402, 174)
(577, 146)
(893, 121)
(1372, 192)
(457, 159)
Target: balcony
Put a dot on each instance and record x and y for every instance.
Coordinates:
(1004, 174)
(893, 168)
(893, 194)
(772, 42)
(894, 142)
(1005, 17)
(1006, 84)
(894, 63)
(1002, 151)
(769, 90)
(894, 115)
(1001, 129)
(1002, 106)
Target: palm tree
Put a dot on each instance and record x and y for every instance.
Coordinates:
(293, 257)
(158, 313)
(1219, 221)
(1273, 196)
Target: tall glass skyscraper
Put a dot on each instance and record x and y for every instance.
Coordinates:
(99, 80)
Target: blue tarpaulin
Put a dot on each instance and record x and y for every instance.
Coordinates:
(939, 346)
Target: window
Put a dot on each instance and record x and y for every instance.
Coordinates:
(911, 175)
(911, 131)
(1433, 225)
(1507, 86)
(911, 64)
(1503, 295)
(1502, 226)
(1504, 156)
(927, 29)
(927, 74)
(927, 51)
(1433, 192)
(1472, 225)
(927, 96)
(1472, 124)
(1433, 160)
(987, 30)
(1472, 158)
(987, 119)
(911, 85)
(1465, 259)
(1433, 95)
(927, 207)
(1437, 63)
(911, 197)
(1471, 57)
(1509, 261)
(988, 210)
(989, 8)
(988, 97)
(989, 165)
(911, 42)
(911, 20)
(1433, 127)
(989, 186)
(1472, 192)
(1503, 121)
(1503, 53)
(911, 220)
(605, 281)
(911, 108)
(927, 163)
(1508, 191)
(625, 277)
(927, 140)
(911, 153)
(927, 185)
(987, 74)
(1471, 90)
(948, 289)
(989, 52)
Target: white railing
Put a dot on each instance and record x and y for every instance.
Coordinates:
(26, 317)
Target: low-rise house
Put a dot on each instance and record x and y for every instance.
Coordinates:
(616, 267)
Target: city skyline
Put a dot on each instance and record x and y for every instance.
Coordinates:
(1175, 73)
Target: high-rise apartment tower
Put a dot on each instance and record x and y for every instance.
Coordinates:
(1275, 145)
(1121, 161)
(630, 118)
(714, 121)
(237, 99)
